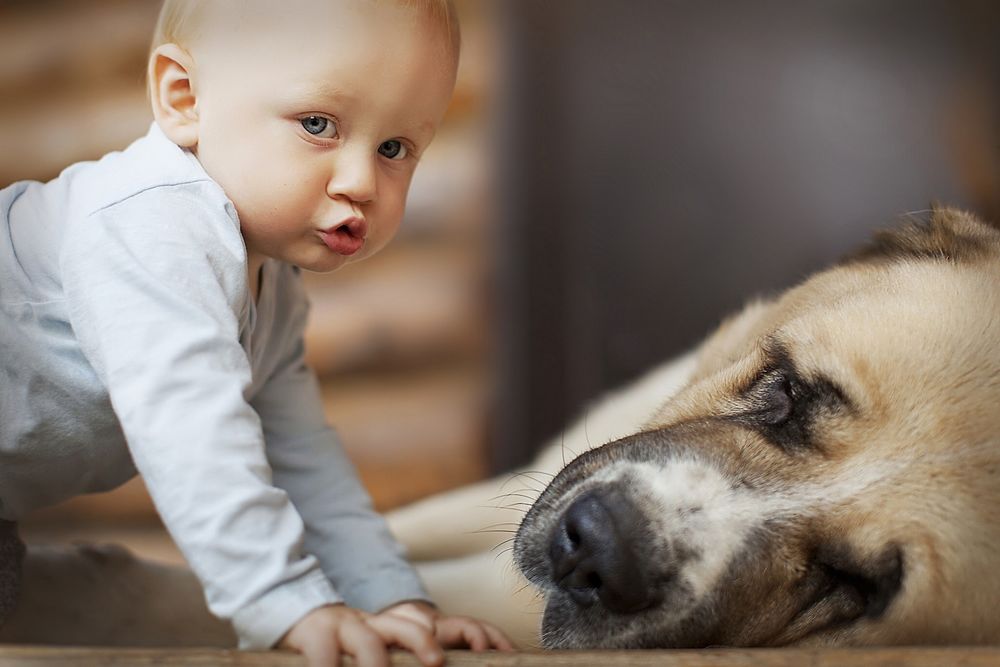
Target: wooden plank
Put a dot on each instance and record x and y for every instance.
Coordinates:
(148, 541)
(15, 656)
(41, 138)
(412, 305)
(129, 503)
(412, 434)
(72, 44)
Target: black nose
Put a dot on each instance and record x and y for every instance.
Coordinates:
(594, 552)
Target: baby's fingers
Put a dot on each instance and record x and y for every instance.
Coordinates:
(457, 631)
(409, 635)
(498, 639)
(364, 644)
(320, 653)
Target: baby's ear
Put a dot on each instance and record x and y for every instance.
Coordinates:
(171, 91)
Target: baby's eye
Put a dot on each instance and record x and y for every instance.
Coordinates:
(392, 149)
(319, 127)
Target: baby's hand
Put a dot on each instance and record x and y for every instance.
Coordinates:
(325, 633)
(452, 631)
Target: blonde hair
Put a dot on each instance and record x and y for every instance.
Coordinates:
(176, 22)
(180, 19)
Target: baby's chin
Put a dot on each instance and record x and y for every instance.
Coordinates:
(325, 265)
(326, 260)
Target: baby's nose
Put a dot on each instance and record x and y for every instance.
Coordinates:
(354, 178)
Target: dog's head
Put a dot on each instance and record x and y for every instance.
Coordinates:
(829, 475)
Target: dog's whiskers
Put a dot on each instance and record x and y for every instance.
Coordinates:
(529, 474)
(539, 472)
(507, 541)
(522, 588)
(505, 496)
(500, 554)
(498, 525)
(563, 448)
(505, 547)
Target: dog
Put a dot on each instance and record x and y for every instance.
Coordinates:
(824, 470)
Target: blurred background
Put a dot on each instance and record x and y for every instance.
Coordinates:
(612, 178)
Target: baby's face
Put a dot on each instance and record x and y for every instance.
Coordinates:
(312, 116)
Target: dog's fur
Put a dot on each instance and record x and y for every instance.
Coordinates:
(824, 469)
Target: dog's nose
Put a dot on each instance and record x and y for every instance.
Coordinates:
(593, 552)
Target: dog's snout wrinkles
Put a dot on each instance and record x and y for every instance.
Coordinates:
(593, 553)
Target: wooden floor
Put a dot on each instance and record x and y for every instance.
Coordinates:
(885, 657)
(152, 542)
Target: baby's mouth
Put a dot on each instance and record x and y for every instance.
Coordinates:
(346, 237)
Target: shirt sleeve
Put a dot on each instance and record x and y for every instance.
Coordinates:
(155, 289)
(353, 543)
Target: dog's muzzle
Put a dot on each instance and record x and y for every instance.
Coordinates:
(594, 553)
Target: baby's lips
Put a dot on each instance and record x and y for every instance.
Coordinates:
(341, 241)
(347, 236)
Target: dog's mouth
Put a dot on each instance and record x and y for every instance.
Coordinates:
(837, 592)
(603, 565)
(840, 589)
(648, 543)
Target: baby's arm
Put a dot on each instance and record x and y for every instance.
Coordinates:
(351, 540)
(153, 290)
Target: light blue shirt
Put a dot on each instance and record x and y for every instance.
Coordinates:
(129, 341)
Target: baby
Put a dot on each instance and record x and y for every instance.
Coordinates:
(151, 313)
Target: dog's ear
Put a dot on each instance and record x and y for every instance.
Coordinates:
(949, 234)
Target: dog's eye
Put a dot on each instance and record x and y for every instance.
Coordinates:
(782, 408)
(777, 399)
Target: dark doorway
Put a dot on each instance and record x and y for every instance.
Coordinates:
(667, 161)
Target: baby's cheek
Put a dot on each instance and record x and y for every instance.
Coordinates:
(390, 222)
